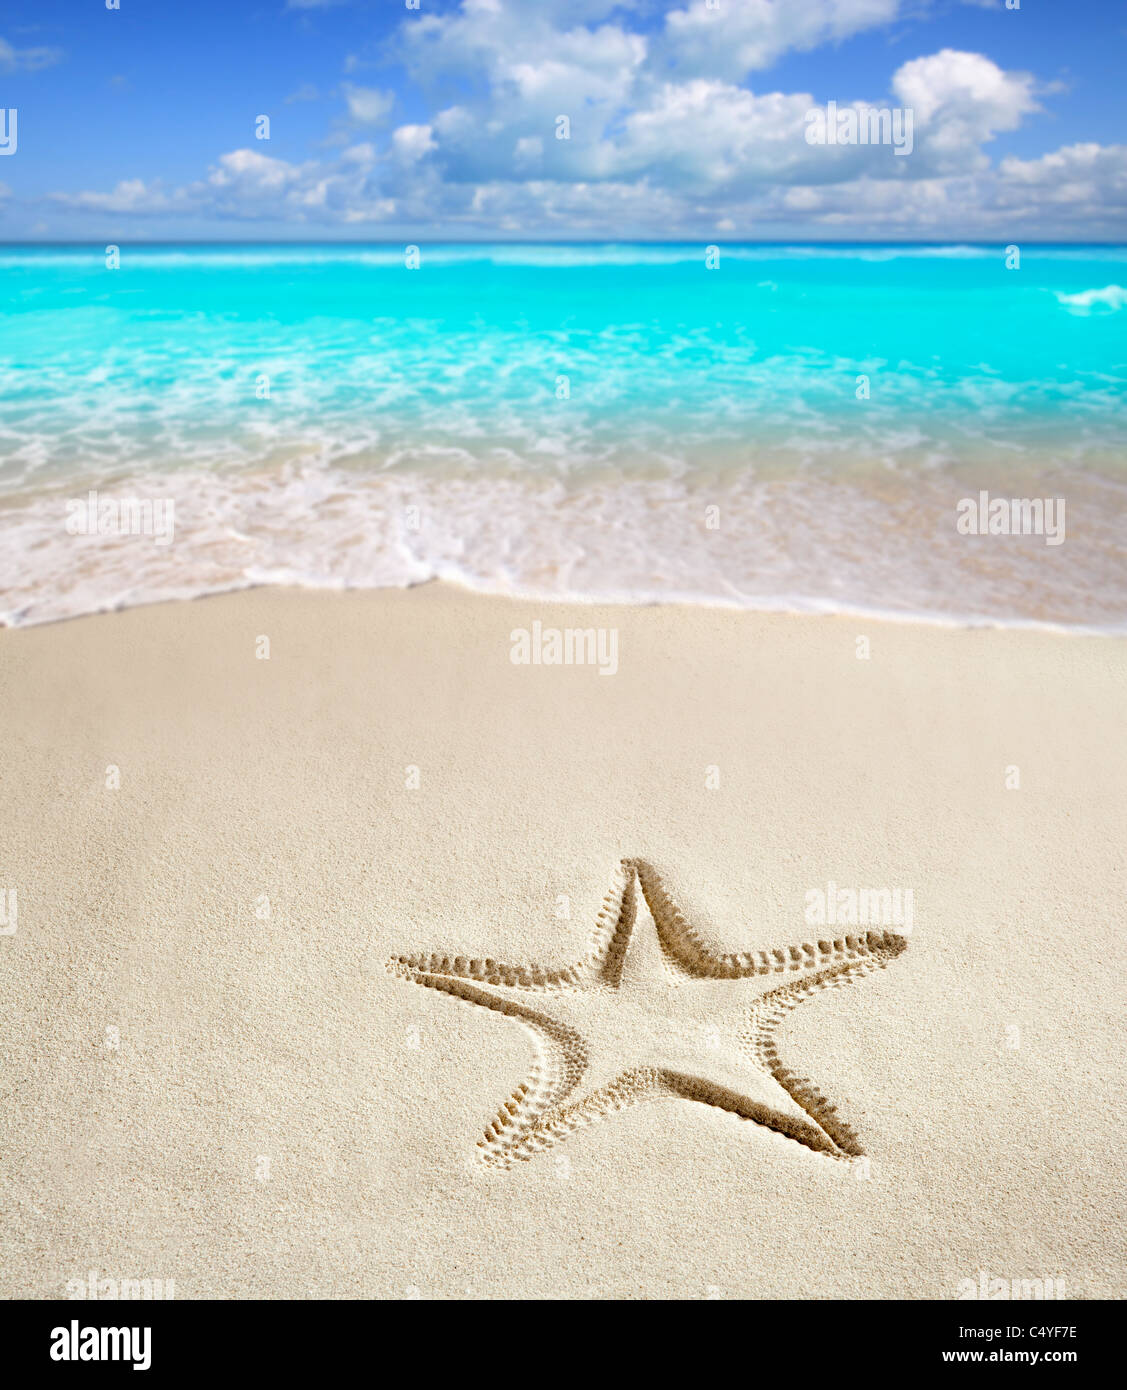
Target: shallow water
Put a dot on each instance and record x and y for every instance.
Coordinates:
(583, 421)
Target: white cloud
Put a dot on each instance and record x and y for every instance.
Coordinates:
(734, 40)
(668, 135)
(1078, 175)
(963, 99)
(364, 153)
(367, 105)
(411, 142)
(130, 195)
(251, 170)
(669, 109)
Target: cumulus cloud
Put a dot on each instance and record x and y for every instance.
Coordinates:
(253, 171)
(368, 105)
(673, 128)
(963, 99)
(130, 195)
(734, 40)
(411, 142)
(1077, 177)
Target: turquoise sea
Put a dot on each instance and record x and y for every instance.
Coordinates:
(792, 428)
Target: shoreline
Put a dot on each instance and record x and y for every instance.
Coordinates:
(784, 608)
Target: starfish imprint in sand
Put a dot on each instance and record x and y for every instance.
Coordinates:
(653, 1013)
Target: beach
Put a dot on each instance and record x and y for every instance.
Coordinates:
(221, 845)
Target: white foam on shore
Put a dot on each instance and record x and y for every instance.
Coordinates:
(883, 547)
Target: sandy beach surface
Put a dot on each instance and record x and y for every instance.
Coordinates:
(212, 1075)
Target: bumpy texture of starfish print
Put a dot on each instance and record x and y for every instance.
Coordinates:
(649, 1014)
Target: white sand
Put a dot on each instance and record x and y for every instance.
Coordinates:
(980, 1070)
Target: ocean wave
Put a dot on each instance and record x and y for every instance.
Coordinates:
(557, 429)
(1110, 298)
(880, 545)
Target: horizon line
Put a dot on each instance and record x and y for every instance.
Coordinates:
(545, 241)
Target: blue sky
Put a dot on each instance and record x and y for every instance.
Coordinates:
(686, 118)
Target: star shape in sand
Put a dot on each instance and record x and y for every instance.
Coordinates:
(653, 1013)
